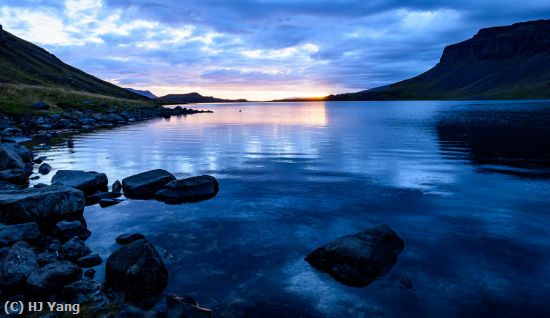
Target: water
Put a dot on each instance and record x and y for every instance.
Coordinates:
(465, 184)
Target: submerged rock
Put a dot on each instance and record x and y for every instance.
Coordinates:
(129, 238)
(179, 307)
(104, 203)
(50, 279)
(357, 260)
(19, 232)
(40, 106)
(42, 205)
(89, 182)
(188, 190)
(18, 265)
(144, 185)
(137, 270)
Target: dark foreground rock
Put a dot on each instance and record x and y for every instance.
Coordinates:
(73, 249)
(137, 270)
(89, 182)
(41, 205)
(144, 185)
(89, 261)
(357, 260)
(19, 232)
(189, 190)
(69, 229)
(50, 279)
(179, 307)
(18, 265)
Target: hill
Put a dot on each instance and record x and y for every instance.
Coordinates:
(147, 94)
(194, 98)
(27, 68)
(505, 62)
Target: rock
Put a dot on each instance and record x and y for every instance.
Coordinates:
(184, 307)
(46, 257)
(49, 280)
(44, 168)
(19, 232)
(89, 260)
(188, 190)
(80, 291)
(18, 265)
(144, 185)
(137, 270)
(357, 260)
(69, 229)
(40, 106)
(39, 160)
(104, 203)
(5, 185)
(16, 139)
(15, 176)
(89, 273)
(117, 186)
(88, 181)
(405, 282)
(41, 205)
(34, 178)
(129, 238)
(9, 158)
(23, 152)
(73, 249)
(95, 198)
(41, 185)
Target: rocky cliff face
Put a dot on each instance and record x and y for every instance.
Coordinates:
(506, 62)
(520, 39)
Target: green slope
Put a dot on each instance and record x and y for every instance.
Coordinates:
(27, 68)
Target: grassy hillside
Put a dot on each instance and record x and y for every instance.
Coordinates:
(28, 69)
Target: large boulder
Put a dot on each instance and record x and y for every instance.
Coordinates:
(42, 205)
(18, 265)
(19, 232)
(89, 182)
(50, 279)
(144, 185)
(188, 190)
(357, 260)
(137, 270)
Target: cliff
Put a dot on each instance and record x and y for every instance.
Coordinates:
(505, 62)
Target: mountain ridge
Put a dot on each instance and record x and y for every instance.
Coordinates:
(504, 62)
(194, 97)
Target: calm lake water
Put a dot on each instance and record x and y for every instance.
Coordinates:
(466, 185)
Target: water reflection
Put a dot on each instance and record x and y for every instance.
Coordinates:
(513, 141)
(294, 176)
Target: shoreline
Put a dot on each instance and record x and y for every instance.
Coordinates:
(46, 124)
(43, 254)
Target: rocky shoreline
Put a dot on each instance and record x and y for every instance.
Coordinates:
(43, 254)
(45, 123)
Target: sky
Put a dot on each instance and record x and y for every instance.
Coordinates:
(256, 49)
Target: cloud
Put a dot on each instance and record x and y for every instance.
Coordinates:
(256, 48)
